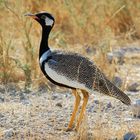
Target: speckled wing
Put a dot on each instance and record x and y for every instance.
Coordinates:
(70, 69)
(79, 72)
(103, 85)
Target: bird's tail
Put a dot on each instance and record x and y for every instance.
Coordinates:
(104, 86)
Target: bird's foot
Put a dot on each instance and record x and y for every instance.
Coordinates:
(72, 129)
(68, 129)
(76, 129)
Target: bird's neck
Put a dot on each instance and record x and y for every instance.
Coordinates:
(44, 41)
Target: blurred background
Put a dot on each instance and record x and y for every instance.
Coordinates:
(93, 28)
(106, 31)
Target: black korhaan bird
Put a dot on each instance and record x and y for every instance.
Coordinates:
(73, 71)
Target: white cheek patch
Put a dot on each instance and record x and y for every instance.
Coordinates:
(48, 21)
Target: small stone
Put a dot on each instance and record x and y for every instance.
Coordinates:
(91, 109)
(1, 99)
(12, 87)
(110, 57)
(54, 97)
(129, 136)
(22, 97)
(2, 89)
(133, 87)
(109, 105)
(89, 50)
(42, 88)
(26, 102)
(96, 101)
(116, 55)
(59, 104)
(8, 133)
(136, 108)
(1, 117)
(117, 81)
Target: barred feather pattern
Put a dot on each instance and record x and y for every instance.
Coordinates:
(80, 69)
(103, 85)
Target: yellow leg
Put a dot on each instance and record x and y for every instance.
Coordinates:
(85, 98)
(77, 102)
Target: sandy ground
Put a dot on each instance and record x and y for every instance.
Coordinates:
(45, 115)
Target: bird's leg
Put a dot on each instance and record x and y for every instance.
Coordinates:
(85, 98)
(77, 102)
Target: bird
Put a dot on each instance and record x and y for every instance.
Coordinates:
(73, 71)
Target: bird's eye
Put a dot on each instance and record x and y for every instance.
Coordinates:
(43, 17)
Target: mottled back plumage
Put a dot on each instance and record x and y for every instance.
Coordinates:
(80, 69)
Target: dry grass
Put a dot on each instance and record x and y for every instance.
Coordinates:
(92, 24)
(98, 26)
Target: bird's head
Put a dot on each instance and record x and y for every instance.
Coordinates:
(44, 18)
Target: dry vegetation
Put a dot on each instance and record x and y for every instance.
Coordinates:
(80, 25)
(90, 27)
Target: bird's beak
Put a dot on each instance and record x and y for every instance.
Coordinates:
(32, 15)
